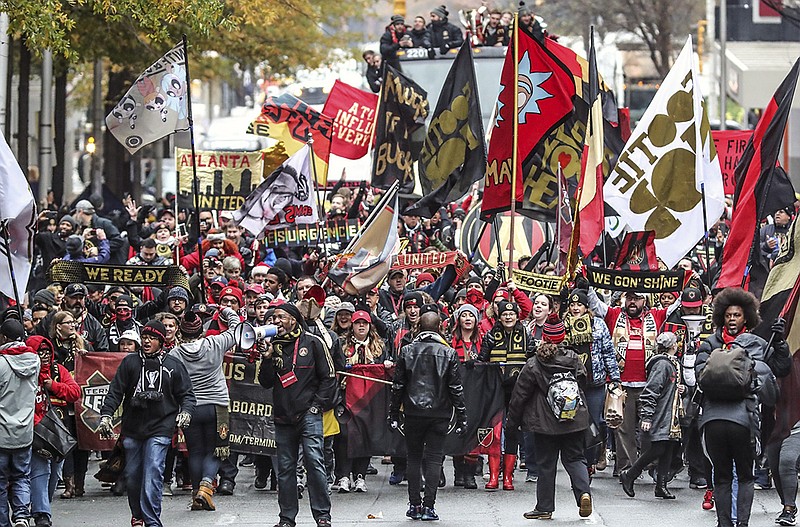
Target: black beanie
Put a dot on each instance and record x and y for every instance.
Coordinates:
(191, 325)
(156, 329)
(292, 310)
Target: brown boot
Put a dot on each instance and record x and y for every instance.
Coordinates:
(509, 465)
(494, 472)
(69, 488)
(196, 504)
(79, 485)
(204, 496)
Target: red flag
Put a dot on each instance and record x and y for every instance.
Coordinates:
(638, 252)
(591, 217)
(353, 114)
(758, 160)
(544, 90)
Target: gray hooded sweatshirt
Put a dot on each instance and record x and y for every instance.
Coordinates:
(19, 379)
(203, 360)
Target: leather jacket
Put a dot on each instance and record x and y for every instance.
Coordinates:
(427, 381)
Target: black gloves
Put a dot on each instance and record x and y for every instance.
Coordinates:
(778, 327)
(443, 49)
(581, 283)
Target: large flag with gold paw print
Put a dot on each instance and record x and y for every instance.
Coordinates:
(658, 181)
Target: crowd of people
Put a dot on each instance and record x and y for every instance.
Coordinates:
(559, 354)
(438, 35)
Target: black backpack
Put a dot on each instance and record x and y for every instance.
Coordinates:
(728, 375)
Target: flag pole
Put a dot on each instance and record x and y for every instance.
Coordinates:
(11, 268)
(558, 219)
(478, 241)
(320, 201)
(705, 235)
(177, 225)
(514, 154)
(195, 180)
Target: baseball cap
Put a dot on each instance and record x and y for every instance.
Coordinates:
(362, 315)
(74, 290)
(691, 297)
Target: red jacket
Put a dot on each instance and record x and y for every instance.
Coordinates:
(64, 390)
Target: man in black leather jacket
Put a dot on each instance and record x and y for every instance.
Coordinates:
(427, 383)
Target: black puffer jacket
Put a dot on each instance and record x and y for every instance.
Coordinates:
(427, 381)
(445, 36)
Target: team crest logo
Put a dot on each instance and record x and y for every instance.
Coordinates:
(303, 352)
(485, 437)
(223, 430)
(94, 393)
(636, 256)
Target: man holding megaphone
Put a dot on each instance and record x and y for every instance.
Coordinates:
(299, 368)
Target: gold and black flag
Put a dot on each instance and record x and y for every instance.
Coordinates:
(454, 154)
(403, 108)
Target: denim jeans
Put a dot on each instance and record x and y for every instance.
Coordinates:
(45, 474)
(15, 472)
(307, 433)
(201, 440)
(530, 454)
(144, 472)
(595, 401)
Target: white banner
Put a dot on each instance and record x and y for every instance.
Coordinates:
(18, 208)
(658, 181)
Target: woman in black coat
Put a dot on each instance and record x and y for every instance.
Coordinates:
(553, 436)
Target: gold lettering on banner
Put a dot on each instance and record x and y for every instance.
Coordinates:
(538, 283)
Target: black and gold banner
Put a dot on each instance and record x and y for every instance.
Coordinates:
(639, 281)
(311, 235)
(125, 275)
(252, 429)
(538, 283)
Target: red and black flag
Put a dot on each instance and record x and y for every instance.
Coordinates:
(741, 265)
(403, 108)
(638, 252)
(367, 406)
(454, 154)
(553, 109)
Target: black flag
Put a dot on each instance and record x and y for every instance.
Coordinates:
(403, 109)
(454, 154)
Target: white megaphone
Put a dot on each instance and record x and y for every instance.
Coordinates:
(694, 324)
(247, 335)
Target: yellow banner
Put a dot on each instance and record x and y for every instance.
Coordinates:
(538, 283)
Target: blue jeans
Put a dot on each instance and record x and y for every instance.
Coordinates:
(45, 474)
(595, 401)
(307, 433)
(15, 475)
(144, 472)
(201, 440)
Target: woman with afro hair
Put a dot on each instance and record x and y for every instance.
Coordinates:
(732, 428)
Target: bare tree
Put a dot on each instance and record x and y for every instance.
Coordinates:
(659, 23)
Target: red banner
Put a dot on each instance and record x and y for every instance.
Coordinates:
(434, 261)
(93, 373)
(353, 114)
(730, 146)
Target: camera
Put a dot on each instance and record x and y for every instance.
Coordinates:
(146, 397)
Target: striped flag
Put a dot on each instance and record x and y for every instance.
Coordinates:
(638, 252)
(591, 220)
(757, 163)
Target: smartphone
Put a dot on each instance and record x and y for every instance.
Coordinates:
(182, 229)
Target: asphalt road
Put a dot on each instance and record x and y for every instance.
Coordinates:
(456, 507)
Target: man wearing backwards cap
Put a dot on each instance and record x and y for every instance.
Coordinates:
(634, 328)
(156, 395)
(300, 370)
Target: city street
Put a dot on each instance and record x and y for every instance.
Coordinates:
(249, 507)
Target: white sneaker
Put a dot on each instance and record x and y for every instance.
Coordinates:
(361, 485)
(167, 491)
(344, 485)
